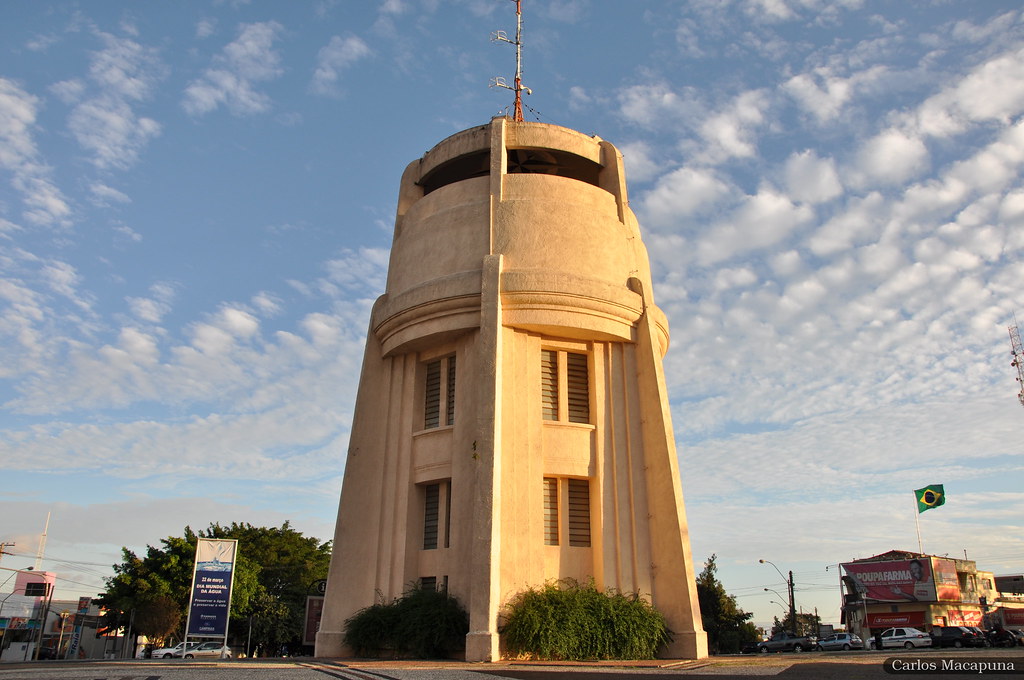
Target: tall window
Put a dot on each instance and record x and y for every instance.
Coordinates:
(431, 515)
(579, 513)
(550, 511)
(574, 515)
(565, 386)
(439, 403)
(436, 515)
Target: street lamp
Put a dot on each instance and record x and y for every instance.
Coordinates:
(792, 602)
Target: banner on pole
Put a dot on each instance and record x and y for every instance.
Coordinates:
(212, 580)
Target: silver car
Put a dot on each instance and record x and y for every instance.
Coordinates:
(175, 651)
(904, 637)
(214, 649)
(844, 641)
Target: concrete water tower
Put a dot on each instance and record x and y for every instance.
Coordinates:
(512, 423)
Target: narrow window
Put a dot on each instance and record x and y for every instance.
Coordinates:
(449, 414)
(447, 518)
(550, 511)
(430, 515)
(564, 386)
(578, 387)
(579, 513)
(549, 384)
(432, 395)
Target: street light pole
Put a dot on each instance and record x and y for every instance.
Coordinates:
(792, 600)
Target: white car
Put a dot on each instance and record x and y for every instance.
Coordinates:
(213, 649)
(903, 637)
(170, 652)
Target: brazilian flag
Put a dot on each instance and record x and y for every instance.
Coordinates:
(931, 496)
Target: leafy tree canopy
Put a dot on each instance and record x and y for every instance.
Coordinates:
(728, 627)
(806, 624)
(274, 570)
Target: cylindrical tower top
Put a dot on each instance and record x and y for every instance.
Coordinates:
(551, 201)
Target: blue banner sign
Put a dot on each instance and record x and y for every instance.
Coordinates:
(211, 588)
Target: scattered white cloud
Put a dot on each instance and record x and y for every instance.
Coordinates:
(680, 194)
(106, 195)
(761, 220)
(43, 202)
(104, 122)
(890, 157)
(826, 95)
(992, 92)
(230, 81)
(153, 308)
(205, 28)
(811, 179)
(337, 55)
(731, 132)
(637, 157)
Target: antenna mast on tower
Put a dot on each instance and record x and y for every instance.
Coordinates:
(1018, 357)
(518, 88)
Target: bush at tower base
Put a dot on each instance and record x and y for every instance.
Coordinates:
(571, 621)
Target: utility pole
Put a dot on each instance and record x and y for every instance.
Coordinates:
(3, 550)
(792, 600)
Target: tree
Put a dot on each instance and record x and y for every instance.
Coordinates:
(806, 624)
(728, 627)
(274, 570)
(159, 618)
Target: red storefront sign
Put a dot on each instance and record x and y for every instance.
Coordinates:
(890, 619)
(1013, 617)
(964, 617)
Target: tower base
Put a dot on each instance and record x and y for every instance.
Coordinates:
(482, 646)
(687, 645)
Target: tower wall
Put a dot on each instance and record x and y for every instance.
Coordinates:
(518, 276)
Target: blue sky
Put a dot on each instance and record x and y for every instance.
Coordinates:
(196, 203)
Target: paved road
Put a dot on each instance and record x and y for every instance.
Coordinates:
(818, 666)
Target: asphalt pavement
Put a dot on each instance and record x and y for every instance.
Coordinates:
(863, 665)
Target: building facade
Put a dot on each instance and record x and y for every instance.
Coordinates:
(900, 588)
(512, 425)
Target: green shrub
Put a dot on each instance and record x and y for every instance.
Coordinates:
(421, 623)
(570, 621)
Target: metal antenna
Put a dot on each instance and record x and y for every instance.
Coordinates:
(519, 88)
(1018, 357)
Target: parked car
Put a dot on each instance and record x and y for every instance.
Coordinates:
(1019, 634)
(904, 637)
(985, 642)
(175, 651)
(844, 641)
(213, 649)
(784, 641)
(956, 636)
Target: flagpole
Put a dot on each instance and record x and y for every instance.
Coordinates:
(917, 523)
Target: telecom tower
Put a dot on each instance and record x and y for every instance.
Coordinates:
(1018, 358)
(512, 424)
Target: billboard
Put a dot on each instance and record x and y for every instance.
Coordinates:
(212, 579)
(893, 580)
(314, 610)
(964, 617)
(947, 584)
